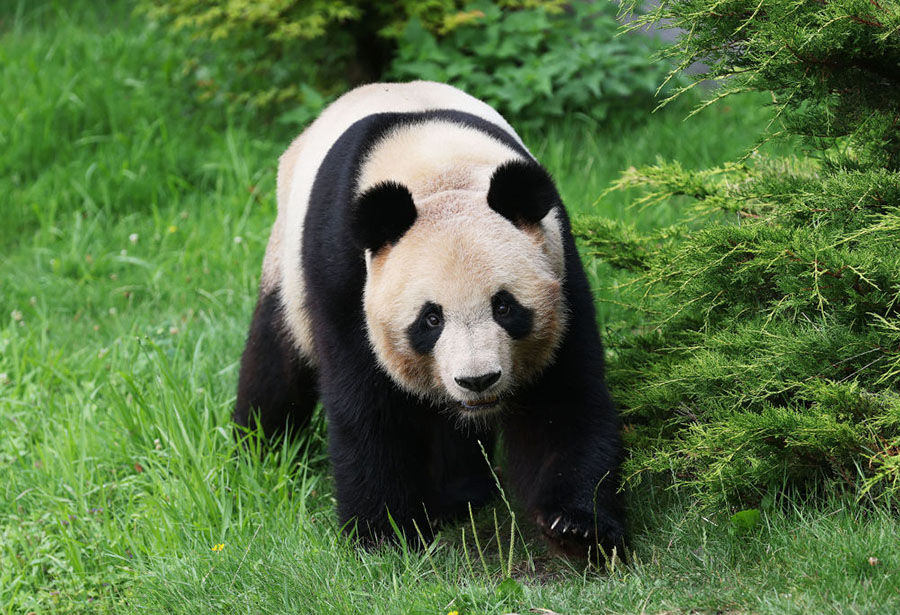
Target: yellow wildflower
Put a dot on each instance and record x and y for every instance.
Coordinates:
(218, 547)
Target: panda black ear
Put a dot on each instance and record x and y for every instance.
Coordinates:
(523, 192)
(381, 215)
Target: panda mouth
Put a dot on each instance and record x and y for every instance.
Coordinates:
(481, 404)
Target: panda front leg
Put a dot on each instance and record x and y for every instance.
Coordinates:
(562, 455)
(380, 468)
(565, 470)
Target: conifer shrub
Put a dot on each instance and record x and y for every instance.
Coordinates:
(768, 351)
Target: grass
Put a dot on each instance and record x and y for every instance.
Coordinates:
(134, 227)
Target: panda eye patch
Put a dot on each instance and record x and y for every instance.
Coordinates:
(514, 317)
(425, 330)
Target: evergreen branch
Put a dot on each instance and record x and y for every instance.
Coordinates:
(771, 340)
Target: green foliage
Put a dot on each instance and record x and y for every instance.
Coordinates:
(833, 67)
(770, 350)
(772, 346)
(293, 56)
(744, 521)
(536, 63)
(531, 59)
(265, 53)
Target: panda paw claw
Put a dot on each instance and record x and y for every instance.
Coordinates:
(580, 536)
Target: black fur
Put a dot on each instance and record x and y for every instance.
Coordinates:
(381, 215)
(523, 192)
(519, 321)
(421, 334)
(394, 454)
(275, 386)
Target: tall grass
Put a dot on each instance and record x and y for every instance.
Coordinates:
(134, 226)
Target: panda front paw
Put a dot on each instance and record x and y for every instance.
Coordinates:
(583, 535)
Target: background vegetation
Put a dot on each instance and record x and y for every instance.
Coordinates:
(135, 219)
(531, 59)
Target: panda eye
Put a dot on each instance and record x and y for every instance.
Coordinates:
(511, 315)
(423, 332)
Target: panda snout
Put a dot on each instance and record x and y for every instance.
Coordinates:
(477, 384)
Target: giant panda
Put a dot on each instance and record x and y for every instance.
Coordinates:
(422, 282)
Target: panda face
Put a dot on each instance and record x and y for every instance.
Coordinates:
(465, 307)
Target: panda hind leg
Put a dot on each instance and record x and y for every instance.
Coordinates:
(276, 387)
(461, 470)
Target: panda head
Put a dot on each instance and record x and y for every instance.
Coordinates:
(463, 300)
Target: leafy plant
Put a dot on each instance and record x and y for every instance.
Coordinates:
(537, 62)
(293, 56)
(744, 521)
(266, 53)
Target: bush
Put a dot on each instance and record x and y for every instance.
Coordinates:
(267, 53)
(536, 63)
(771, 350)
(295, 55)
(529, 58)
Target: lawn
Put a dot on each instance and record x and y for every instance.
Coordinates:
(134, 224)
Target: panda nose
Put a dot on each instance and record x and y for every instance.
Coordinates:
(478, 384)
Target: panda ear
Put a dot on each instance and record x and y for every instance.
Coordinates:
(523, 192)
(381, 215)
